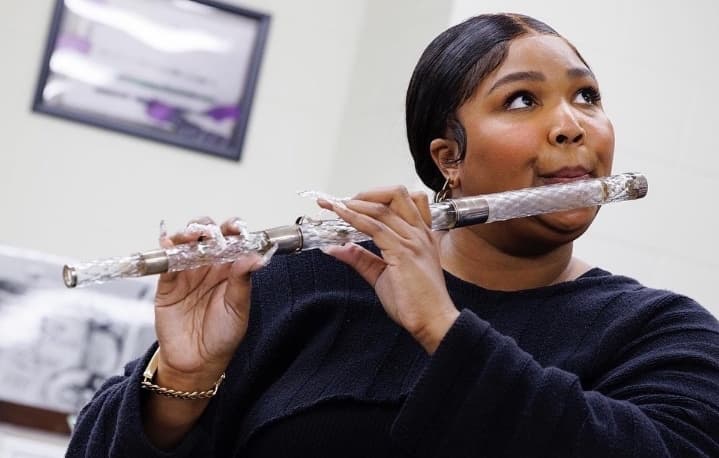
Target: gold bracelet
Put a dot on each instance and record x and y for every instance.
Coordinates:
(149, 374)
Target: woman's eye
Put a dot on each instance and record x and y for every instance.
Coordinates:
(588, 96)
(519, 101)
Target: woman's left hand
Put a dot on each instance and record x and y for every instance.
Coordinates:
(408, 278)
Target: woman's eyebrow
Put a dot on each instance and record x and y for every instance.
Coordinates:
(579, 72)
(517, 76)
(573, 73)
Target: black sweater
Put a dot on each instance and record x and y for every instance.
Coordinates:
(596, 367)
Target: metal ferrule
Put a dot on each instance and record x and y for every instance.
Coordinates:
(154, 262)
(287, 238)
(639, 186)
(470, 210)
(69, 276)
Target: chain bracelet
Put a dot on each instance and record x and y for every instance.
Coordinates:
(149, 374)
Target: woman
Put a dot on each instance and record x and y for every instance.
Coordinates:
(489, 340)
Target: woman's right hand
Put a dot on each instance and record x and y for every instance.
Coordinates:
(201, 315)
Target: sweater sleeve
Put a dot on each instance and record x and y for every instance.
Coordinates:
(482, 395)
(110, 425)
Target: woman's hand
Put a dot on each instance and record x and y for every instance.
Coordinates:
(201, 316)
(408, 278)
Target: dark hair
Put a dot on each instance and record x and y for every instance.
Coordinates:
(446, 76)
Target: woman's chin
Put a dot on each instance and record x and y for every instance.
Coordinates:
(570, 221)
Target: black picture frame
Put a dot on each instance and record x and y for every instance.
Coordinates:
(121, 65)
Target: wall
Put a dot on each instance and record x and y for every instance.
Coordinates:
(372, 146)
(656, 67)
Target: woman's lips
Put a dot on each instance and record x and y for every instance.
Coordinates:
(563, 178)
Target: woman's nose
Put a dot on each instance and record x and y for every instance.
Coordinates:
(566, 129)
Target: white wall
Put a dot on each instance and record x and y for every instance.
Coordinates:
(372, 149)
(656, 64)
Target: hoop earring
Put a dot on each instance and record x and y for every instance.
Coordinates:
(444, 193)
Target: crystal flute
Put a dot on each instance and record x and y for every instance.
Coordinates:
(307, 233)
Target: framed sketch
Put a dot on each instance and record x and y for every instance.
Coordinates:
(177, 71)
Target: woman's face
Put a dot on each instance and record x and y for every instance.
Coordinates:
(535, 120)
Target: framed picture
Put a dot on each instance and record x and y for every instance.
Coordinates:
(177, 71)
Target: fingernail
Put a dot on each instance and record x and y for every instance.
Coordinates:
(332, 202)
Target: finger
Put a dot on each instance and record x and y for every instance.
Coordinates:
(385, 214)
(367, 264)
(199, 225)
(239, 280)
(179, 238)
(421, 201)
(398, 199)
(234, 226)
(382, 236)
(191, 233)
(206, 227)
(184, 237)
(166, 241)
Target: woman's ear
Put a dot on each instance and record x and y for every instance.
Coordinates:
(445, 154)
